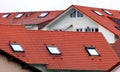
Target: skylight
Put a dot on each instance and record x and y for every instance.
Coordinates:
(5, 15)
(53, 50)
(92, 51)
(19, 15)
(43, 14)
(107, 12)
(17, 47)
(97, 12)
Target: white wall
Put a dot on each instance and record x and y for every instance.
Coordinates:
(117, 69)
(33, 27)
(9, 66)
(110, 37)
(64, 21)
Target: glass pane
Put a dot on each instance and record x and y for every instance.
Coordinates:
(17, 47)
(53, 50)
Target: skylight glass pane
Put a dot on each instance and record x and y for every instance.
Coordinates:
(92, 51)
(19, 15)
(53, 50)
(43, 14)
(98, 13)
(17, 47)
(5, 15)
(107, 12)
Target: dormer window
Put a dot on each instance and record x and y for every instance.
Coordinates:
(17, 47)
(92, 51)
(5, 15)
(43, 14)
(107, 12)
(76, 14)
(19, 15)
(53, 50)
(97, 12)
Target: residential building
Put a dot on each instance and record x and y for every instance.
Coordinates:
(88, 19)
(56, 51)
(32, 20)
(9, 63)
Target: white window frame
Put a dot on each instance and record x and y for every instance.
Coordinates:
(43, 14)
(92, 51)
(19, 15)
(17, 47)
(107, 12)
(5, 15)
(98, 13)
(53, 50)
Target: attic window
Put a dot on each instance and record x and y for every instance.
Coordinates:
(107, 12)
(5, 15)
(16, 47)
(97, 12)
(43, 14)
(92, 51)
(19, 15)
(76, 14)
(53, 50)
(117, 21)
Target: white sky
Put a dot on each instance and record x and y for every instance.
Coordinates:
(46, 5)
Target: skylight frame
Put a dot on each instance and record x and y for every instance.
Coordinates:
(107, 12)
(92, 51)
(19, 15)
(5, 15)
(53, 50)
(18, 49)
(43, 14)
(97, 12)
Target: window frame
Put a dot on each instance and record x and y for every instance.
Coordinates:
(97, 12)
(43, 14)
(90, 54)
(15, 50)
(19, 15)
(107, 12)
(5, 15)
(53, 53)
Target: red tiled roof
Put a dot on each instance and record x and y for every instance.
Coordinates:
(102, 20)
(116, 47)
(71, 44)
(31, 17)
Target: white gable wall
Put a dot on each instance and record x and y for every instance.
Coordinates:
(9, 66)
(117, 69)
(109, 36)
(65, 20)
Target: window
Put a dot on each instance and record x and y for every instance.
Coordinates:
(19, 15)
(97, 12)
(76, 14)
(107, 12)
(16, 47)
(5, 15)
(29, 26)
(53, 50)
(117, 21)
(92, 51)
(43, 14)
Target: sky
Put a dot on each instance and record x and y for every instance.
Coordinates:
(48, 5)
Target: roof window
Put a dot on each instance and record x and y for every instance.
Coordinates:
(43, 14)
(16, 47)
(5, 15)
(92, 51)
(97, 12)
(53, 50)
(19, 15)
(107, 12)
